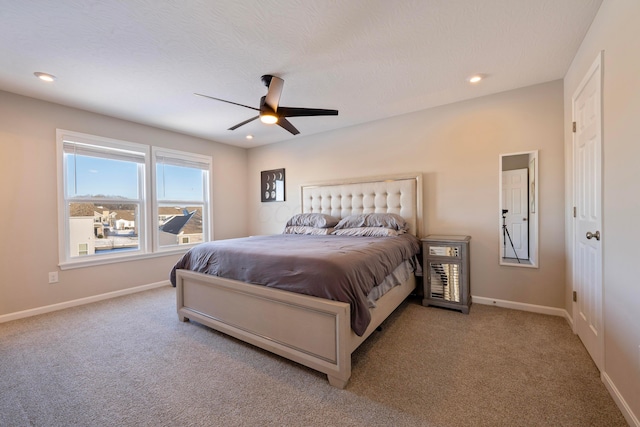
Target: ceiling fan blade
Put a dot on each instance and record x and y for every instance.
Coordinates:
(243, 123)
(228, 102)
(300, 112)
(286, 124)
(274, 92)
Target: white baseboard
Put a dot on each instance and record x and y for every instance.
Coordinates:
(622, 404)
(570, 321)
(61, 306)
(542, 309)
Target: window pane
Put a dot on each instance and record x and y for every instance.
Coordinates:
(97, 177)
(102, 229)
(179, 225)
(179, 182)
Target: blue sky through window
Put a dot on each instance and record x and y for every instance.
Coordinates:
(89, 176)
(96, 176)
(178, 183)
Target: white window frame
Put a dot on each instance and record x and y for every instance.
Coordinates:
(181, 158)
(148, 215)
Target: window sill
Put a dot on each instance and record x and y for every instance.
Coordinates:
(70, 265)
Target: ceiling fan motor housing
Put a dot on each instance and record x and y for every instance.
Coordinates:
(266, 79)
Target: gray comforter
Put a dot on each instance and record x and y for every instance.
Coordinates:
(339, 268)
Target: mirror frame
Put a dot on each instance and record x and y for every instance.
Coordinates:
(533, 219)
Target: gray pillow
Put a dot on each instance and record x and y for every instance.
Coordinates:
(386, 220)
(303, 229)
(368, 232)
(316, 220)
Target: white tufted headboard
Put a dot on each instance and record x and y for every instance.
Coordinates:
(399, 194)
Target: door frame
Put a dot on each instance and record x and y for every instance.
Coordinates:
(596, 67)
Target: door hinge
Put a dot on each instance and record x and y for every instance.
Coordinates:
(574, 126)
(575, 296)
(574, 211)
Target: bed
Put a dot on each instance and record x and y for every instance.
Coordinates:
(313, 331)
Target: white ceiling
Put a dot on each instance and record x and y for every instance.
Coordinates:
(142, 60)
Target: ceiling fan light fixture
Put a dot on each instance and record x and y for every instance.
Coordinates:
(269, 119)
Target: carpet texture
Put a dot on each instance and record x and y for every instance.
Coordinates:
(129, 362)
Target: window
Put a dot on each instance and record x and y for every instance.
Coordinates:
(83, 249)
(107, 210)
(181, 197)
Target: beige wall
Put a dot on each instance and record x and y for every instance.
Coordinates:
(456, 147)
(616, 32)
(28, 193)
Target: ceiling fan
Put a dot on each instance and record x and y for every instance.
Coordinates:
(271, 112)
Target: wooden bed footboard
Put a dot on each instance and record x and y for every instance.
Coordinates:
(312, 331)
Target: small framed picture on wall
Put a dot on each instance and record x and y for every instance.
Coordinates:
(272, 185)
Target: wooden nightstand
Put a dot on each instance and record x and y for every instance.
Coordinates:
(445, 261)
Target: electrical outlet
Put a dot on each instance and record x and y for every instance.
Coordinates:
(53, 277)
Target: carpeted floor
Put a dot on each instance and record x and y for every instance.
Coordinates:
(129, 362)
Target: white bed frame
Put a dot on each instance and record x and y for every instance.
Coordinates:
(312, 331)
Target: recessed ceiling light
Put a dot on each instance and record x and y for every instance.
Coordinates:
(475, 79)
(45, 76)
(249, 136)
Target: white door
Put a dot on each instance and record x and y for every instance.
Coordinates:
(587, 262)
(515, 185)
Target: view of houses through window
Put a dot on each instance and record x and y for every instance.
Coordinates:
(105, 203)
(112, 226)
(180, 225)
